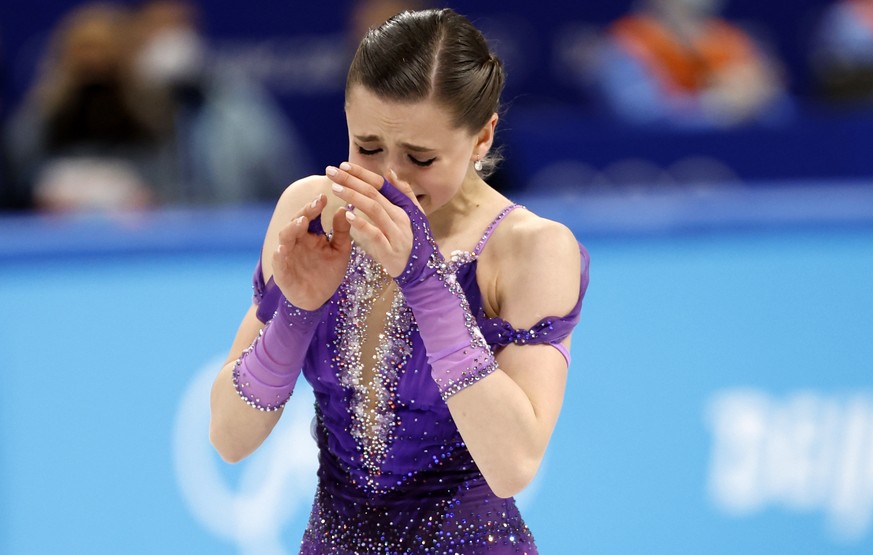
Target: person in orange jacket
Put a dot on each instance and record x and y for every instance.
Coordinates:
(678, 61)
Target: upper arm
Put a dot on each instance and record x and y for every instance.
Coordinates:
(539, 277)
(539, 274)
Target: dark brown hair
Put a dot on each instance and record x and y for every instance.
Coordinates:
(432, 54)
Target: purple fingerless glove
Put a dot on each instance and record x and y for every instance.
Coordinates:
(265, 374)
(456, 350)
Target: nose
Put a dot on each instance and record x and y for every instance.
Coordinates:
(384, 167)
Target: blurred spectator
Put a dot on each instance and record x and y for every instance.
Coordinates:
(87, 135)
(842, 57)
(8, 199)
(679, 62)
(232, 141)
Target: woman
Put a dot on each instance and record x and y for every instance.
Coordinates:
(432, 409)
(678, 62)
(89, 135)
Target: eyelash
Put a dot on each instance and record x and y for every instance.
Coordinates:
(421, 163)
(416, 161)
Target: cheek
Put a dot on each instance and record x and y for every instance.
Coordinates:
(372, 163)
(442, 185)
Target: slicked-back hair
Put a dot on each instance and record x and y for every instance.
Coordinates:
(434, 55)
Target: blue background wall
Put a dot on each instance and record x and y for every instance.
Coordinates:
(300, 51)
(719, 399)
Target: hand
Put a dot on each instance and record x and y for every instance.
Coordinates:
(307, 266)
(388, 235)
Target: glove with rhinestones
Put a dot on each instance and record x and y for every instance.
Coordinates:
(265, 374)
(456, 350)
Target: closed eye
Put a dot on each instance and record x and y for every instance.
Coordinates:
(421, 163)
(366, 152)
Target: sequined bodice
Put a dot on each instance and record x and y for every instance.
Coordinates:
(380, 447)
(382, 453)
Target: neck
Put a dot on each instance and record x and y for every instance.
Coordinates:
(448, 220)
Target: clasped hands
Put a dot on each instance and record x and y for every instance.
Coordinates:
(308, 266)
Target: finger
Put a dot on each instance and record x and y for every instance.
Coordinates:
(291, 233)
(288, 239)
(366, 199)
(370, 237)
(280, 259)
(403, 187)
(359, 179)
(312, 212)
(371, 178)
(366, 184)
(341, 229)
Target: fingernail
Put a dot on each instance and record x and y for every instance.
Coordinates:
(350, 216)
(337, 187)
(314, 203)
(345, 166)
(330, 170)
(299, 221)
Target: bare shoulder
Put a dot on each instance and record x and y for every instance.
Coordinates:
(298, 193)
(524, 230)
(539, 267)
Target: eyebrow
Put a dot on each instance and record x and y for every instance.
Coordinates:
(408, 146)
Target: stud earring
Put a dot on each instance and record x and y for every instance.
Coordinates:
(477, 165)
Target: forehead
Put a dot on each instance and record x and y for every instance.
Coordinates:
(420, 122)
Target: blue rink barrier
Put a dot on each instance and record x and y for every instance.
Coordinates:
(719, 401)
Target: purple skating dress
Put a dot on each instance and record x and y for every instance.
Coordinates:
(394, 475)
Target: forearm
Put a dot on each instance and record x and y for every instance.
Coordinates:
(235, 429)
(502, 431)
(250, 392)
(493, 413)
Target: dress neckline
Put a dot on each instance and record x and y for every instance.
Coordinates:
(460, 257)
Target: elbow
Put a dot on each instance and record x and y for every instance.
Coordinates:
(512, 481)
(228, 456)
(227, 450)
(506, 491)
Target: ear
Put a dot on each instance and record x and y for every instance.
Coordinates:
(485, 137)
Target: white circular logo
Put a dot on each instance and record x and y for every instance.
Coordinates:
(276, 484)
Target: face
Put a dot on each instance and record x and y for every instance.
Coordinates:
(416, 140)
(91, 49)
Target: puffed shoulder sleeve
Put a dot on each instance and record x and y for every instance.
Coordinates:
(550, 330)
